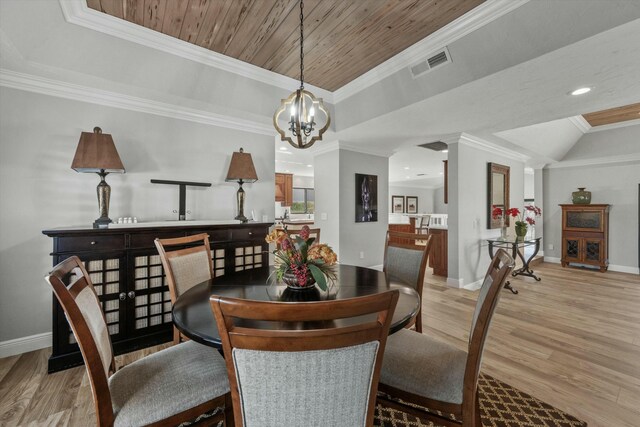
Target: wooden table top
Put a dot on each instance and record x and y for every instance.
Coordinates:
(192, 313)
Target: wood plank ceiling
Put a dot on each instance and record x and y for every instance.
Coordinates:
(343, 38)
(613, 115)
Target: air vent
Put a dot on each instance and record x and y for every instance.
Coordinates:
(424, 66)
(435, 146)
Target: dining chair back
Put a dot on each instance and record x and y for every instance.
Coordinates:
(154, 390)
(324, 373)
(423, 224)
(405, 260)
(420, 371)
(185, 267)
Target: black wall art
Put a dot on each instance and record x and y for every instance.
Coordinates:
(366, 198)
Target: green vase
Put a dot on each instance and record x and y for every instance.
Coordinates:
(581, 197)
(521, 229)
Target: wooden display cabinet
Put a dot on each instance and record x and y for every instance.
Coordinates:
(585, 235)
(284, 188)
(128, 277)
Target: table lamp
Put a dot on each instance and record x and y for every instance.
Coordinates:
(242, 170)
(97, 153)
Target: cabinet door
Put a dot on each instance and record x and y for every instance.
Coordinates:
(288, 190)
(149, 300)
(593, 250)
(571, 249)
(108, 275)
(280, 187)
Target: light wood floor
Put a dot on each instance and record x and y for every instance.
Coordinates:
(572, 340)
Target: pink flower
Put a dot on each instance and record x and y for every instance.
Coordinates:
(286, 244)
(304, 232)
(530, 220)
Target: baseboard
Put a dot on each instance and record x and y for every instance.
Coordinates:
(474, 286)
(455, 283)
(612, 267)
(25, 344)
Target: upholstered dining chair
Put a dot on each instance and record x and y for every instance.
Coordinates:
(406, 260)
(324, 376)
(169, 387)
(430, 373)
(423, 224)
(185, 267)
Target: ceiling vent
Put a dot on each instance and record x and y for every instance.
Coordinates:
(435, 146)
(436, 60)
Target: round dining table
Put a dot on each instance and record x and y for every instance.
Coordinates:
(193, 317)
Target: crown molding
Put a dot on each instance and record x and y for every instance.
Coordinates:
(77, 12)
(466, 24)
(597, 161)
(60, 89)
(481, 144)
(349, 146)
(615, 126)
(581, 123)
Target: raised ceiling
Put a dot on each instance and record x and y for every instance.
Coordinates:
(613, 115)
(343, 38)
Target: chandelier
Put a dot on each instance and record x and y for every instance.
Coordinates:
(301, 131)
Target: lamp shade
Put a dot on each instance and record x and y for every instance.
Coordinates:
(241, 167)
(96, 152)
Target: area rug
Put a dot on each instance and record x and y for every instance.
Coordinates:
(501, 406)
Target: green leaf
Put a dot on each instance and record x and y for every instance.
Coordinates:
(317, 274)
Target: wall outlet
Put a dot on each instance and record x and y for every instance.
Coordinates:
(323, 216)
(361, 255)
(550, 247)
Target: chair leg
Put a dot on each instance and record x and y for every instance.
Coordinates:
(176, 336)
(229, 420)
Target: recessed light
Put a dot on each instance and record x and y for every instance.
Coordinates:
(284, 148)
(406, 168)
(444, 151)
(287, 171)
(581, 91)
(408, 177)
(309, 166)
(441, 173)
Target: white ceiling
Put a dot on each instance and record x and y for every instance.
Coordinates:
(417, 166)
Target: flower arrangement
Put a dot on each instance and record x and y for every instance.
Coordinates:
(528, 215)
(523, 217)
(300, 262)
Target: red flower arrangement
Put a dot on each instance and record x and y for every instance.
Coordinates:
(523, 217)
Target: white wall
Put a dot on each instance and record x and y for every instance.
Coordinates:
(327, 188)
(302, 181)
(439, 206)
(616, 185)
(529, 186)
(468, 254)
(39, 190)
(365, 237)
(424, 195)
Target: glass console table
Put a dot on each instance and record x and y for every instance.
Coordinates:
(516, 246)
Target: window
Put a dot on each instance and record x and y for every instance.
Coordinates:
(303, 201)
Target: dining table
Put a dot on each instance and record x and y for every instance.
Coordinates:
(193, 317)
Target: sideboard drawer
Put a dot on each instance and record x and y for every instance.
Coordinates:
(253, 233)
(214, 235)
(90, 243)
(146, 240)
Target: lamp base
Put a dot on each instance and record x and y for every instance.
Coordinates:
(242, 218)
(102, 222)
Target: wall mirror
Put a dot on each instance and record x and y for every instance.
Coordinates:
(498, 192)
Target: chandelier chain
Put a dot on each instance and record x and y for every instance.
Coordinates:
(301, 45)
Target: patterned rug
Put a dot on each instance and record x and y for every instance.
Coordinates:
(501, 406)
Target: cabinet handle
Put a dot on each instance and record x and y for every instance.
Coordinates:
(93, 243)
(250, 233)
(122, 296)
(132, 294)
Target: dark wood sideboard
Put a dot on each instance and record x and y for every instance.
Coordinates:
(127, 274)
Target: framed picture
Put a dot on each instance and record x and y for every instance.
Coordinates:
(366, 198)
(397, 204)
(412, 204)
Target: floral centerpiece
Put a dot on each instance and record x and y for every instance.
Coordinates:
(300, 262)
(527, 216)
